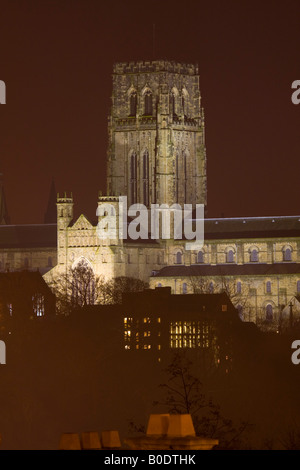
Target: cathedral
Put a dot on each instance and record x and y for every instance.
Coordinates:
(156, 155)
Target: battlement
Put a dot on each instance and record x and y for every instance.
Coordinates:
(155, 66)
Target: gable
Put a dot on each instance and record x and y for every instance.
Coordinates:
(82, 223)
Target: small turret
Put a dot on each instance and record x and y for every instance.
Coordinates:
(64, 211)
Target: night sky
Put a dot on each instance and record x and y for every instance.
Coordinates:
(56, 58)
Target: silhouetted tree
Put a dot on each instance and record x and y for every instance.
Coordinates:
(184, 394)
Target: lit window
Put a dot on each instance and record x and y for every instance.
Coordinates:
(38, 305)
(224, 308)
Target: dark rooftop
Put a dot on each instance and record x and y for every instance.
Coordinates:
(229, 270)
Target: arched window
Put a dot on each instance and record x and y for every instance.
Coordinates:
(133, 104)
(239, 287)
(177, 178)
(148, 104)
(211, 288)
(184, 288)
(178, 257)
(200, 257)
(253, 255)
(268, 287)
(146, 178)
(298, 287)
(173, 104)
(287, 254)
(133, 177)
(184, 158)
(240, 312)
(269, 312)
(229, 256)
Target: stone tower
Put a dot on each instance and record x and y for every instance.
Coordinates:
(156, 150)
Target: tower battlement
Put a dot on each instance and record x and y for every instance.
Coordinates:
(155, 66)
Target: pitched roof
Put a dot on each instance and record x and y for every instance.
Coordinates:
(28, 236)
(252, 227)
(229, 270)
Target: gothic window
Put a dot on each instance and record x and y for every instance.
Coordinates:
(133, 178)
(200, 257)
(240, 312)
(38, 305)
(238, 287)
(185, 175)
(253, 255)
(184, 288)
(177, 178)
(269, 312)
(148, 104)
(287, 254)
(178, 257)
(229, 256)
(268, 287)
(146, 178)
(133, 104)
(172, 104)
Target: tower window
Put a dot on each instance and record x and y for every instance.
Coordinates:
(133, 104)
(133, 178)
(148, 104)
(146, 178)
(173, 105)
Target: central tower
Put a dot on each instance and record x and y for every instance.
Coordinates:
(156, 151)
